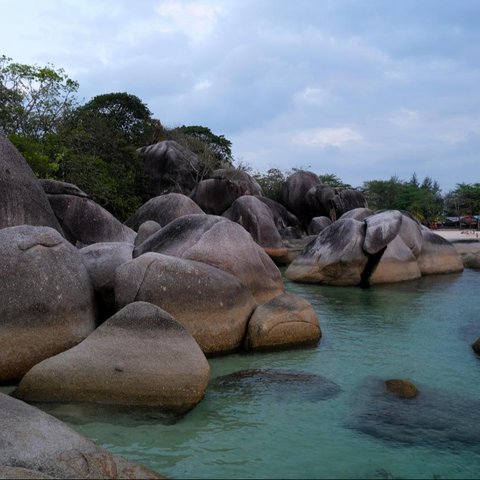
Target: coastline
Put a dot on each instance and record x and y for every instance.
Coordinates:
(457, 235)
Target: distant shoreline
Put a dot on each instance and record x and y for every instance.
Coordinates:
(457, 235)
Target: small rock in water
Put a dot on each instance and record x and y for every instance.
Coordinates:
(476, 346)
(283, 383)
(402, 388)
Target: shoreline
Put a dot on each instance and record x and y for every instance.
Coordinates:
(457, 235)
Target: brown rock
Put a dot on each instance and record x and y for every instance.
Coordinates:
(402, 388)
(476, 346)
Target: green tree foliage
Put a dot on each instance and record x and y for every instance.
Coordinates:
(333, 180)
(33, 99)
(423, 200)
(271, 182)
(463, 200)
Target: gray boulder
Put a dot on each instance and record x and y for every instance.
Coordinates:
(285, 321)
(101, 260)
(257, 219)
(31, 440)
(163, 209)
(85, 222)
(336, 257)
(287, 223)
(411, 233)
(359, 213)
(317, 224)
(221, 243)
(145, 230)
(248, 184)
(382, 228)
(215, 195)
(141, 356)
(22, 199)
(170, 167)
(47, 302)
(54, 187)
(210, 303)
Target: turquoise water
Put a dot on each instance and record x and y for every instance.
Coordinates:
(420, 330)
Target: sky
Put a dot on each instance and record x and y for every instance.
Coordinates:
(364, 89)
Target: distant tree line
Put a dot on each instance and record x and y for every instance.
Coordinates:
(92, 145)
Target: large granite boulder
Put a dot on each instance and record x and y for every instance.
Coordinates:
(141, 356)
(469, 253)
(411, 233)
(31, 440)
(47, 301)
(317, 224)
(248, 184)
(22, 199)
(438, 255)
(145, 230)
(293, 193)
(287, 223)
(221, 243)
(257, 219)
(359, 213)
(285, 321)
(215, 195)
(382, 228)
(335, 257)
(163, 209)
(101, 260)
(170, 167)
(54, 187)
(85, 222)
(210, 303)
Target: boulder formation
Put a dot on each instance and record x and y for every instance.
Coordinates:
(33, 441)
(139, 357)
(245, 181)
(317, 224)
(221, 243)
(47, 302)
(210, 303)
(145, 230)
(287, 223)
(22, 199)
(215, 195)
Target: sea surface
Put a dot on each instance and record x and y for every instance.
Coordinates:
(323, 412)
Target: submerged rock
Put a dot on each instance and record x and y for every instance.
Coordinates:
(402, 388)
(283, 384)
(139, 357)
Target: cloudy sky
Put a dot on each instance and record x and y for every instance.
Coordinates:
(365, 89)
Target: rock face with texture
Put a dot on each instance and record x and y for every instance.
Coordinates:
(54, 187)
(221, 243)
(163, 209)
(287, 320)
(101, 260)
(215, 195)
(317, 224)
(287, 223)
(170, 166)
(469, 253)
(47, 302)
(401, 388)
(85, 222)
(257, 219)
(336, 257)
(211, 304)
(359, 214)
(145, 230)
(31, 440)
(381, 230)
(245, 181)
(141, 356)
(438, 255)
(22, 199)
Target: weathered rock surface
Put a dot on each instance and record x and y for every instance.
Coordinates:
(47, 301)
(170, 166)
(285, 321)
(359, 213)
(9, 473)
(257, 219)
(210, 303)
(247, 183)
(54, 187)
(31, 440)
(336, 257)
(163, 209)
(287, 223)
(101, 260)
(145, 230)
(221, 243)
(411, 233)
(85, 222)
(382, 228)
(317, 224)
(438, 255)
(22, 199)
(469, 253)
(397, 264)
(215, 195)
(141, 356)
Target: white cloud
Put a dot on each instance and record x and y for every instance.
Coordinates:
(326, 137)
(405, 118)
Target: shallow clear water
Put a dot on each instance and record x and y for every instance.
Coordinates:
(420, 330)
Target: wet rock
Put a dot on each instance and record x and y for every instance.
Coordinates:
(286, 321)
(317, 224)
(210, 303)
(221, 243)
(145, 230)
(163, 209)
(31, 440)
(22, 199)
(141, 356)
(215, 195)
(85, 222)
(336, 257)
(283, 384)
(47, 301)
(402, 388)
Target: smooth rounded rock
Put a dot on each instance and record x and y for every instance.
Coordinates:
(287, 223)
(215, 195)
(402, 388)
(382, 228)
(47, 301)
(145, 230)
(210, 303)
(31, 440)
(248, 184)
(317, 224)
(285, 321)
(411, 233)
(221, 243)
(359, 213)
(141, 356)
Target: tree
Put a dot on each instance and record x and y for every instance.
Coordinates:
(33, 99)
(271, 182)
(463, 200)
(333, 180)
